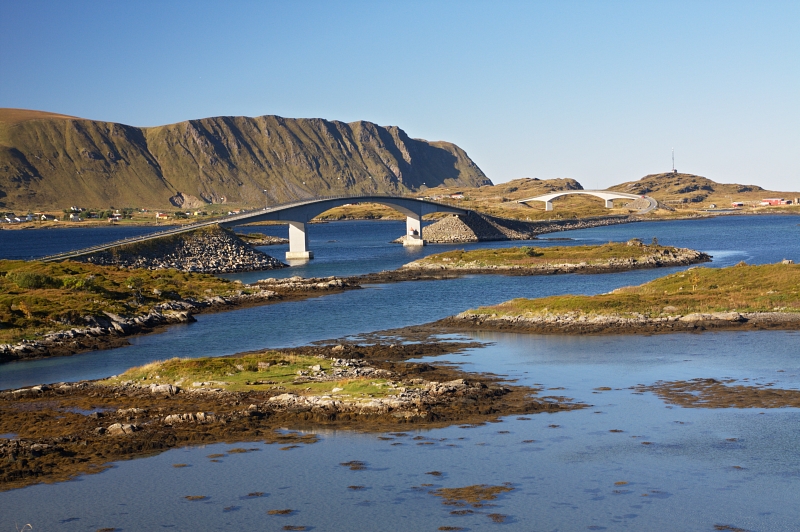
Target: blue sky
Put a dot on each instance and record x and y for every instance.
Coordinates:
(596, 91)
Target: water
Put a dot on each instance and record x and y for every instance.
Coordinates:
(356, 247)
(29, 244)
(729, 240)
(690, 478)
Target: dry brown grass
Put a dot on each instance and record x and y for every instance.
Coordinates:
(14, 116)
(741, 288)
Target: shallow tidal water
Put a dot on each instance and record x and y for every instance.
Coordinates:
(701, 467)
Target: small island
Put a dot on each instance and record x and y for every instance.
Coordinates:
(611, 257)
(737, 297)
(65, 429)
(54, 309)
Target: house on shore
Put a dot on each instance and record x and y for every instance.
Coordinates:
(775, 201)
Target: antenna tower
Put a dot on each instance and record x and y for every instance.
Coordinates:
(673, 160)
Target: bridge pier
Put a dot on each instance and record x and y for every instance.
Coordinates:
(548, 205)
(298, 242)
(413, 231)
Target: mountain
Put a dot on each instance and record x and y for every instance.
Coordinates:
(50, 161)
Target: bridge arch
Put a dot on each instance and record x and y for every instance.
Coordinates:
(608, 195)
(298, 214)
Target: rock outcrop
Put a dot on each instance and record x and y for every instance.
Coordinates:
(627, 323)
(657, 258)
(207, 250)
(477, 227)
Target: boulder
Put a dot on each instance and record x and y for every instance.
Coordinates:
(121, 429)
(168, 389)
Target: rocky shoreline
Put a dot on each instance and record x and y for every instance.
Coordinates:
(657, 259)
(67, 429)
(633, 323)
(113, 330)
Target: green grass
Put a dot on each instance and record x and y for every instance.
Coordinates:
(38, 297)
(536, 256)
(741, 288)
(244, 373)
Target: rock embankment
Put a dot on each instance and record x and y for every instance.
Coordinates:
(303, 284)
(476, 227)
(628, 323)
(660, 257)
(207, 250)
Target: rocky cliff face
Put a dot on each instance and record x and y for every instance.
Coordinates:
(54, 161)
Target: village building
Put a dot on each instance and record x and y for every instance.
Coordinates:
(775, 201)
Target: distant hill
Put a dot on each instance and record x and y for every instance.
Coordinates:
(676, 188)
(50, 161)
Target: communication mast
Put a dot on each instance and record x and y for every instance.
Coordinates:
(673, 162)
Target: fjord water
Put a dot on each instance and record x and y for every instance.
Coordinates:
(701, 467)
(349, 248)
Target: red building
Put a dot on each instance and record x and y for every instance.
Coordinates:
(775, 201)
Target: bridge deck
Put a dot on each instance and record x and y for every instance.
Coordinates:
(607, 195)
(280, 212)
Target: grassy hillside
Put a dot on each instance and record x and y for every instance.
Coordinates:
(53, 161)
(742, 288)
(689, 191)
(679, 194)
(497, 200)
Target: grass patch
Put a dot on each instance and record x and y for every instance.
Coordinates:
(741, 288)
(40, 297)
(269, 370)
(538, 256)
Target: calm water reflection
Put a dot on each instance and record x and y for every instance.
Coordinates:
(690, 477)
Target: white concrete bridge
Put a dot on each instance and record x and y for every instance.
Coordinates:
(608, 195)
(300, 213)
(297, 215)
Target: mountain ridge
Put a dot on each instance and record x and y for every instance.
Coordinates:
(54, 161)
